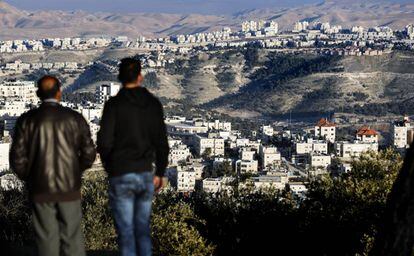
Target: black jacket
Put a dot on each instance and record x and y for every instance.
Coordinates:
(51, 148)
(133, 133)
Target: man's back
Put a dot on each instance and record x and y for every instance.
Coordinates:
(51, 148)
(132, 131)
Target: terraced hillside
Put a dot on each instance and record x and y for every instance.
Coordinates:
(256, 83)
(272, 84)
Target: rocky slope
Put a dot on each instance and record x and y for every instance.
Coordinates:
(20, 24)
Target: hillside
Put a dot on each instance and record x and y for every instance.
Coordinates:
(275, 84)
(20, 24)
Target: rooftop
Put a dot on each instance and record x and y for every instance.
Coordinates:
(365, 130)
(323, 122)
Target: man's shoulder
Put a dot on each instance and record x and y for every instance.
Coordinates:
(153, 99)
(67, 112)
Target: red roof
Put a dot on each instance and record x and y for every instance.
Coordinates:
(325, 123)
(365, 130)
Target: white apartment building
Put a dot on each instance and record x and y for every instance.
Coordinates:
(8, 125)
(301, 26)
(267, 130)
(4, 156)
(203, 144)
(91, 113)
(365, 134)
(409, 29)
(270, 181)
(216, 185)
(23, 90)
(270, 156)
(346, 149)
(311, 146)
(298, 188)
(219, 126)
(401, 131)
(247, 166)
(178, 153)
(247, 154)
(185, 179)
(326, 130)
(106, 91)
(185, 128)
(13, 108)
(320, 161)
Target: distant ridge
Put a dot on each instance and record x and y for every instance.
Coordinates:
(20, 24)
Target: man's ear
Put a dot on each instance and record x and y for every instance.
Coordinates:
(59, 95)
(140, 79)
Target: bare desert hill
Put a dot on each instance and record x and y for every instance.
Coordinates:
(21, 24)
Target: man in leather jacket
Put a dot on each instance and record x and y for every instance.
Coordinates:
(51, 148)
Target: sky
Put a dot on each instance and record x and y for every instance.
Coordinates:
(166, 6)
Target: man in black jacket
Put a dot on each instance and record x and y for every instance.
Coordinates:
(131, 138)
(51, 148)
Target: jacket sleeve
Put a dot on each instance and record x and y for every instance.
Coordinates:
(106, 134)
(160, 141)
(87, 148)
(18, 156)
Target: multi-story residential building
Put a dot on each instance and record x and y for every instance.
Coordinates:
(212, 145)
(298, 188)
(275, 181)
(301, 26)
(401, 131)
(13, 108)
(346, 149)
(270, 156)
(246, 166)
(4, 156)
(22, 90)
(326, 130)
(267, 130)
(185, 179)
(365, 134)
(106, 91)
(8, 125)
(311, 146)
(178, 153)
(218, 125)
(217, 185)
(90, 113)
(247, 154)
(409, 30)
(320, 161)
(185, 128)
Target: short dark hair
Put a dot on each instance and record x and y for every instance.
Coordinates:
(129, 70)
(46, 92)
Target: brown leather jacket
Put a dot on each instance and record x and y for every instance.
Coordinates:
(51, 148)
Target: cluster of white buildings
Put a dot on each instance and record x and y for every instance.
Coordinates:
(319, 147)
(23, 66)
(16, 46)
(259, 28)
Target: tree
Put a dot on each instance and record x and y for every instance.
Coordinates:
(345, 212)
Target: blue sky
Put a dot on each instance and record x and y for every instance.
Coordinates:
(169, 6)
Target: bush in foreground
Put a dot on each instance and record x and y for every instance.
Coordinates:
(341, 216)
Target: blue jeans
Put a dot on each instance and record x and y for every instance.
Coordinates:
(130, 198)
